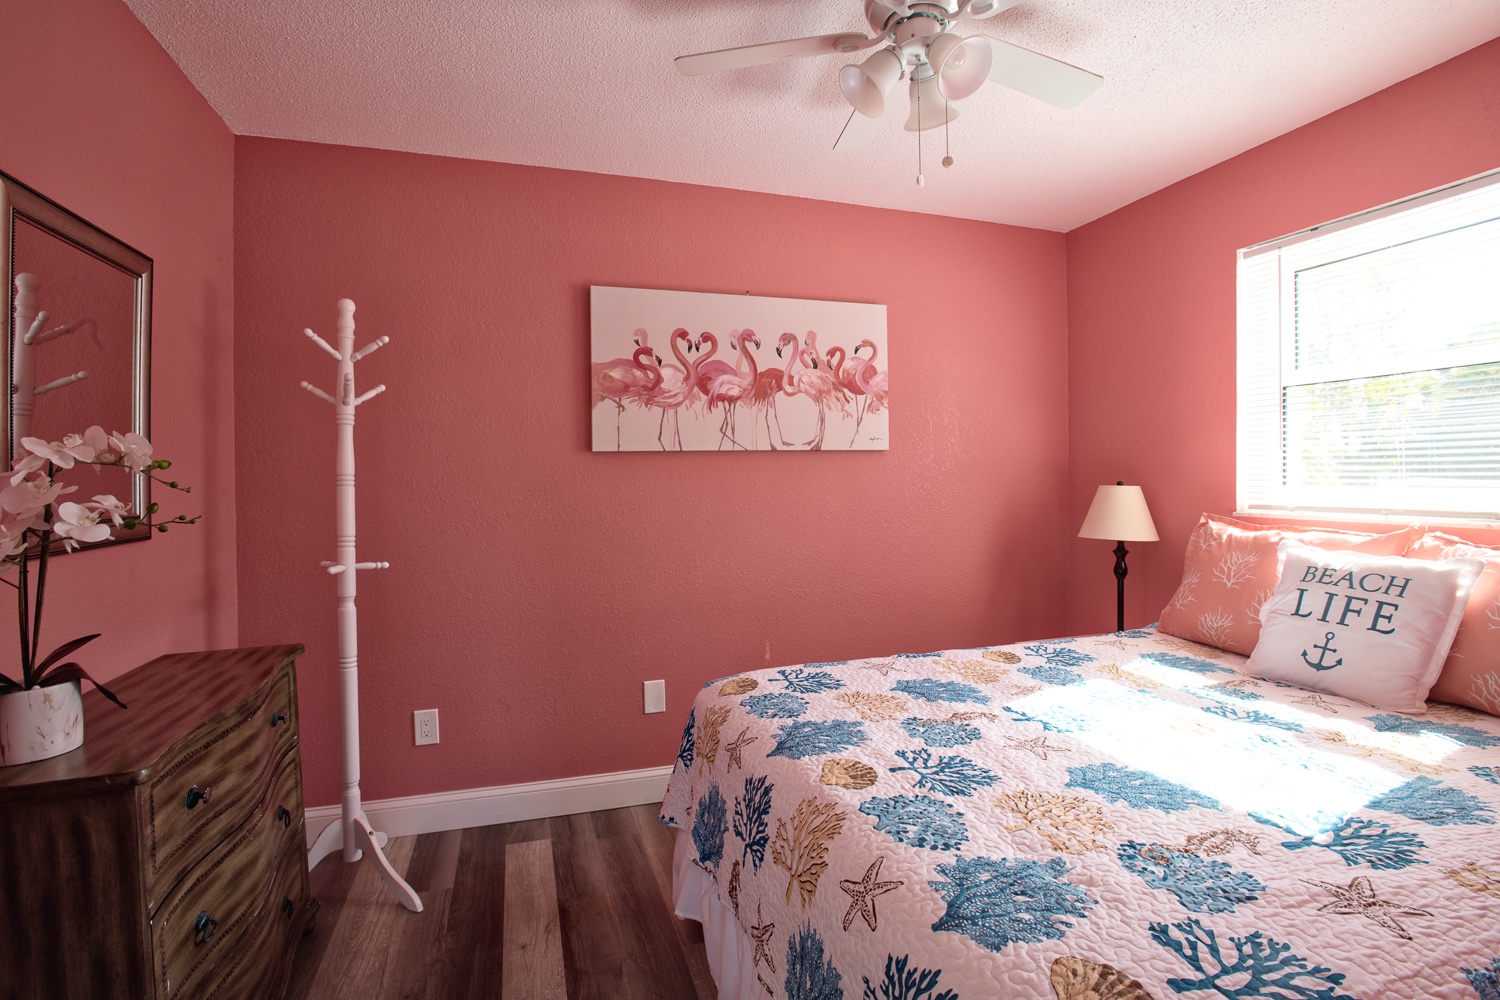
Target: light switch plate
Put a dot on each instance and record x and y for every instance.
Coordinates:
(655, 696)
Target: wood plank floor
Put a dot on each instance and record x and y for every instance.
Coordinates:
(570, 908)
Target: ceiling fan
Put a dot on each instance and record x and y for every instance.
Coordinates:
(920, 44)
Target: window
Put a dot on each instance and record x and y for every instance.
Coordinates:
(1369, 362)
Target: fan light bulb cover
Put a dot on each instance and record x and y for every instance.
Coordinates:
(865, 86)
(932, 106)
(962, 64)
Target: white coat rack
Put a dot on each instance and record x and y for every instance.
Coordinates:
(352, 832)
(30, 333)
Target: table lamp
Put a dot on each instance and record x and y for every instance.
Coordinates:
(1119, 512)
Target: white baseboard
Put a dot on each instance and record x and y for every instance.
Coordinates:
(435, 813)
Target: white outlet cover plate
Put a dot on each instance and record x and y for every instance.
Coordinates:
(424, 726)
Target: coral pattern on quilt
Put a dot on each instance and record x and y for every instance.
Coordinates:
(1110, 817)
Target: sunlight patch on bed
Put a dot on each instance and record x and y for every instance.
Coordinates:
(1425, 748)
(1248, 766)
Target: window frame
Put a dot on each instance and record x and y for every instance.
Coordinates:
(1266, 346)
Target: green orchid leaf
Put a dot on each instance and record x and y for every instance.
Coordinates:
(62, 651)
(75, 672)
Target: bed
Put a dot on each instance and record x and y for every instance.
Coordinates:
(1119, 816)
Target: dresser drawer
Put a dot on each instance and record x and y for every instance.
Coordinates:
(263, 962)
(216, 908)
(210, 786)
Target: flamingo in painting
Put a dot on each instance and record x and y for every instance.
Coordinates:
(710, 368)
(849, 379)
(676, 388)
(622, 379)
(875, 384)
(816, 384)
(769, 383)
(732, 386)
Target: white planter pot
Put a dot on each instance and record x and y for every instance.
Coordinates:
(40, 723)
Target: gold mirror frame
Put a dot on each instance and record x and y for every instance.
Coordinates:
(20, 203)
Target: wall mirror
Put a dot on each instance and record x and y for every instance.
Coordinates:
(78, 327)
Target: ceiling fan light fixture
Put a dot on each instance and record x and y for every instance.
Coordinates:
(962, 64)
(866, 86)
(933, 106)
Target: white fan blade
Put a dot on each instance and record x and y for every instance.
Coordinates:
(859, 133)
(980, 9)
(769, 52)
(1039, 76)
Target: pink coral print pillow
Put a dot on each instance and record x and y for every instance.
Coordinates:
(1231, 569)
(1373, 628)
(1471, 675)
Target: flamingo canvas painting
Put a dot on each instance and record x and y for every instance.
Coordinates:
(702, 371)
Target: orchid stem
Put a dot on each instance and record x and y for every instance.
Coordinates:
(41, 587)
(23, 609)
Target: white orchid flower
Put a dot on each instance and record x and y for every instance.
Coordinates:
(76, 523)
(60, 453)
(25, 500)
(117, 510)
(134, 450)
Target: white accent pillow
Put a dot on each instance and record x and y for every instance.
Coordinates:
(1372, 628)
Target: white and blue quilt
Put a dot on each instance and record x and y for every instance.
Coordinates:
(1110, 817)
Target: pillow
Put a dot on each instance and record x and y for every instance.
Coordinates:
(1372, 628)
(1231, 568)
(1471, 676)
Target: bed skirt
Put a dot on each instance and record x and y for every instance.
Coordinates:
(731, 957)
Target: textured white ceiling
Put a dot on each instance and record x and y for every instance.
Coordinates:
(590, 86)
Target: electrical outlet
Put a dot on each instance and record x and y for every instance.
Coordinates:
(655, 696)
(424, 726)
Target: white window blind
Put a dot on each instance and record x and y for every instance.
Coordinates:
(1369, 362)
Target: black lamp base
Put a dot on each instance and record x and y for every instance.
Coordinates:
(1120, 571)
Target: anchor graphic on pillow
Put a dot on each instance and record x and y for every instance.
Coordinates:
(1323, 648)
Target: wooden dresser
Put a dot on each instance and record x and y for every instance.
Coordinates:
(166, 857)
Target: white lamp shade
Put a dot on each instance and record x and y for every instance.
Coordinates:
(1119, 513)
(962, 64)
(865, 86)
(933, 105)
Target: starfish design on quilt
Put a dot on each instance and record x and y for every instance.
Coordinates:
(1116, 643)
(883, 667)
(1242, 683)
(1037, 745)
(1358, 897)
(743, 740)
(863, 891)
(761, 935)
(1319, 701)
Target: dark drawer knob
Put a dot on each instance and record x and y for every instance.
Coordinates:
(287, 907)
(284, 816)
(203, 928)
(277, 719)
(196, 795)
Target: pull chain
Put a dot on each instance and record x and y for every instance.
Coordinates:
(921, 181)
(947, 157)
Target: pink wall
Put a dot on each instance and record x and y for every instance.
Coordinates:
(536, 584)
(1151, 300)
(99, 119)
